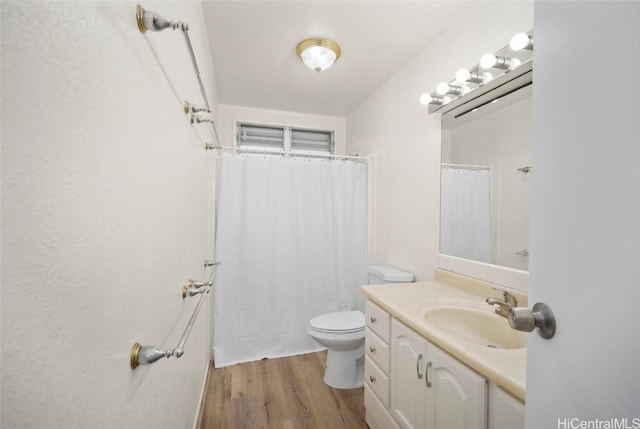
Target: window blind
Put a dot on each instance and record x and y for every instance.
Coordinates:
(268, 138)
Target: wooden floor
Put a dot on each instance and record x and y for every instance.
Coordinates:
(284, 393)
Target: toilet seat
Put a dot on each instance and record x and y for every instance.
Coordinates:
(339, 322)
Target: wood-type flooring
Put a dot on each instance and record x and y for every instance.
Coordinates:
(284, 393)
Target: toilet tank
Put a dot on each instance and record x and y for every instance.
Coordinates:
(388, 274)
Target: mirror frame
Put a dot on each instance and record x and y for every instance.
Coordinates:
(502, 276)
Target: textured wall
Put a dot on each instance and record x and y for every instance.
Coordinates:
(405, 142)
(105, 191)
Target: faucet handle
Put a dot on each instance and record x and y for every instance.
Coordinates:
(510, 299)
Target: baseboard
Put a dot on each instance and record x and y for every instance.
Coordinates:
(199, 411)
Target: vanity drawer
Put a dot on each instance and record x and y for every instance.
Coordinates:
(378, 320)
(377, 350)
(377, 381)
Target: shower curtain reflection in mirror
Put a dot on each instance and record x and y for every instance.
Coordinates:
(291, 235)
(465, 218)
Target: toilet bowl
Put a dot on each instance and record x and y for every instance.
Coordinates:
(342, 332)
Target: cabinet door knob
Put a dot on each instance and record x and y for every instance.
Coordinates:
(426, 373)
(418, 366)
(373, 319)
(372, 349)
(372, 379)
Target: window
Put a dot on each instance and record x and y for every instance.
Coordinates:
(278, 139)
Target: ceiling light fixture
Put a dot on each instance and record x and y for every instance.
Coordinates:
(318, 54)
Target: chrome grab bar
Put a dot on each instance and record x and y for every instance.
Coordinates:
(144, 355)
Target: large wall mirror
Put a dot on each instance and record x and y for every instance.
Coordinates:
(486, 174)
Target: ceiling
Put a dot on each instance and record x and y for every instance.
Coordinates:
(253, 48)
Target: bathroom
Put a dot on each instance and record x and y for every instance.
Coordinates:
(108, 209)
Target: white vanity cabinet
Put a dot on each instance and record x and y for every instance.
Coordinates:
(505, 411)
(411, 383)
(456, 395)
(377, 368)
(430, 389)
(408, 383)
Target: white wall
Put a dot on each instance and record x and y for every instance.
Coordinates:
(405, 142)
(585, 212)
(104, 215)
(228, 115)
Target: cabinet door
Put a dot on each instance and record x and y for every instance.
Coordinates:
(456, 395)
(408, 389)
(505, 411)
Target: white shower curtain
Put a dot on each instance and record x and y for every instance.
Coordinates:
(291, 236)
(465, 217)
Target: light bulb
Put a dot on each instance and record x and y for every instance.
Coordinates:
(442, 88)
(318, 58)
(463, 75)
(488, 61)
(521, 41)
(425, 99)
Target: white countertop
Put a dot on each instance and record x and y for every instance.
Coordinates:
(504, 367)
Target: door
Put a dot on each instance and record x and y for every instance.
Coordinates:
(585, 224)
(456, 395)
(408, 388)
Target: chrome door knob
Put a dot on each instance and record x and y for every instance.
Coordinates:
(540, 316)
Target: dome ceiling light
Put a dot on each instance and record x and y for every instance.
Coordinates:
(318, 54)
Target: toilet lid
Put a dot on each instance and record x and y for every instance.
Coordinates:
(340, 321)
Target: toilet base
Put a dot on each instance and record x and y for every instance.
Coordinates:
(345, 369)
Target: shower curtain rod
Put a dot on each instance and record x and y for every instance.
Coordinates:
(355, 158)
(469, 166)
(149, 20)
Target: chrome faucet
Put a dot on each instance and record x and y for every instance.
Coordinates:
(503, 306)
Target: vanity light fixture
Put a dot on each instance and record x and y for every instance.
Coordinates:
(521, 41)
(318, 54)
(426, 99)
(444, 88)
(463, 75)
(490, 61)
(492, 66)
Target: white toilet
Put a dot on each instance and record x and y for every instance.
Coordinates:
(342, 332)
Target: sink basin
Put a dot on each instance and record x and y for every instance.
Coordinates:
(474, 323)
